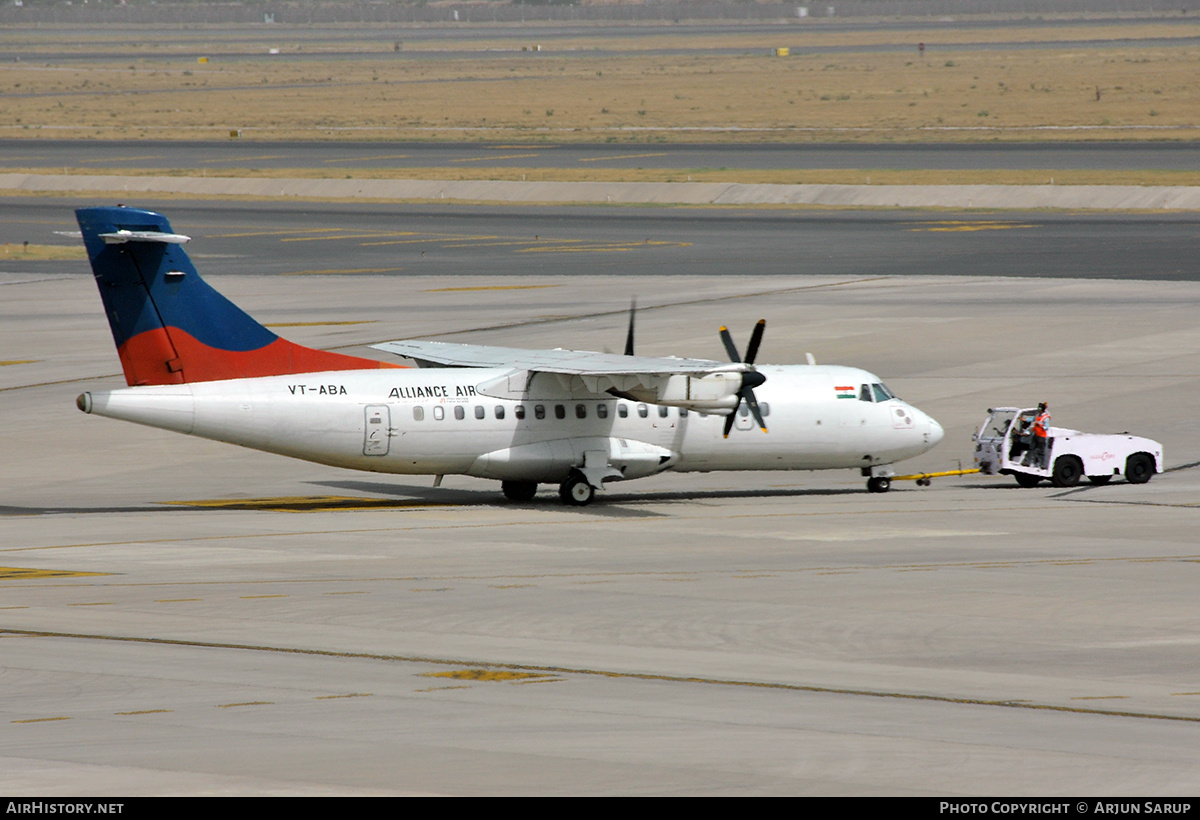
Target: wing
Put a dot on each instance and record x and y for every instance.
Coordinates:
(570, 362)
(699, 384)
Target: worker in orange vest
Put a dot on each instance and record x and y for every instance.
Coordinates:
(1041, 428)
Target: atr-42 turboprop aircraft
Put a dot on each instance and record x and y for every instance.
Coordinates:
(196, 364)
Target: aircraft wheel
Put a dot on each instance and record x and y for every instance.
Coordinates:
(576, 491)
(1026, 480)
(1139, 468)
(1067, 472)
(1099, 479)
(879, 484)
(519, 490)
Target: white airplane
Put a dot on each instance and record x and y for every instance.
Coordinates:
(196, 364)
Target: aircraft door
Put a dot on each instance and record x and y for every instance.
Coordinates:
(377, 430)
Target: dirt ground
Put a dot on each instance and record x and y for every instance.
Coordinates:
(1093, 82)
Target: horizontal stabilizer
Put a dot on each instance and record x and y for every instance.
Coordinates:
(123, 236)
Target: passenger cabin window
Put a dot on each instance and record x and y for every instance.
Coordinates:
(623, 411)
(602, 411)
(683, 412)
(539, 411)
(459, 412)
(560, 412)
(581, 411)
(418, 413)
(439, 413)
(764, 408)
(480, 412)
(519, 411)
(662, 411)
(499, 411)
(643, 411)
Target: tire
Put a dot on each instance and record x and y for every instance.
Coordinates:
(1099, 479)
(879, 484)
(1067, 472)
(1026, 480)
(576, 491)
(519, 490)
(1139, 468)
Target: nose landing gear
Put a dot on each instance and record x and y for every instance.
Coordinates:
(879, 484)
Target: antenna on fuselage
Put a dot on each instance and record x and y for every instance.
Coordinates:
(629, 333)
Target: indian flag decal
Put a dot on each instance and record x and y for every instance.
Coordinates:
(845, 392)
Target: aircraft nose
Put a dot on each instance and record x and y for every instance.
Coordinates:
(935, 433)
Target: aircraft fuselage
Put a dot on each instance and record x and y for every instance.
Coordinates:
(439, 421)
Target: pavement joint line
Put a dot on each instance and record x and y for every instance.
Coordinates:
(449, 526)
(612, 674)
(624, 311)
(719, 194)
(605, 577)
(519, 523)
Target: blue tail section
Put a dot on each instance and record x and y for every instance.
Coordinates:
(169, 325)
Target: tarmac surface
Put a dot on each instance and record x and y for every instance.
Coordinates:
(181, 616)
(483, 33)
(451, 240)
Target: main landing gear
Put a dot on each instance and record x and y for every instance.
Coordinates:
(576, 491)
(519, 490)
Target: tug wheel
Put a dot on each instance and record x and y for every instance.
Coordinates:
(1139, 468)
(1067, 472)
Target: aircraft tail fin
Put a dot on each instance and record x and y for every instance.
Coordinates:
(169, 325)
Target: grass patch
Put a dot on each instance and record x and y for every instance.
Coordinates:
(1147, 91)
(29, 252)
(815, 176)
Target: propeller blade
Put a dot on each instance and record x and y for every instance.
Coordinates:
(730, 419)
(730, 349)
(747, 394)
(629, 334)
(755, 341)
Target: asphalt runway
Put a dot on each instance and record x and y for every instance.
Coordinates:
(480, 35)
(455, 240)
(97, 156)
(181, 616)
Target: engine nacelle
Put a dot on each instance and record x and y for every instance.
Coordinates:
(711, 393)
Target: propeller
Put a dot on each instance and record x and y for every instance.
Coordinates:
(750, 378)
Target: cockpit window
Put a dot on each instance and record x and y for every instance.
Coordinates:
(882, 393)
(865, 393)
